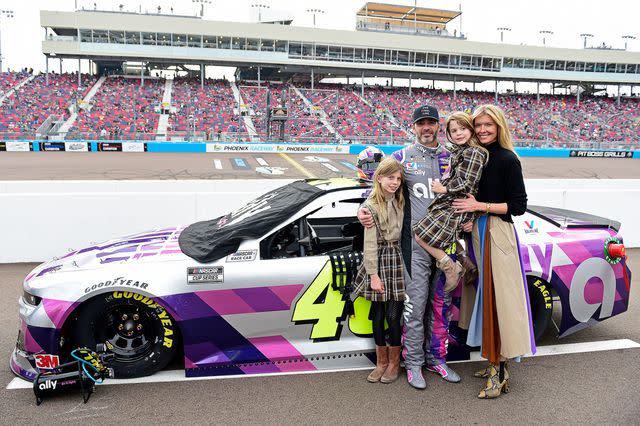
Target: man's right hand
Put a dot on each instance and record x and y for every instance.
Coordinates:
(365, 217)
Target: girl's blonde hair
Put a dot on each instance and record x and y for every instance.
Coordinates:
(387, 166)
(498, 117)
(465, 120)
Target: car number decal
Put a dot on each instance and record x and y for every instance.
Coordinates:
(324, 307)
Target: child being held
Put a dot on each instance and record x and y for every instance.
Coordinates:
(441, 227)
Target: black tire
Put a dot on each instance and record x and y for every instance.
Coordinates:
(142, 333)
(541, 305)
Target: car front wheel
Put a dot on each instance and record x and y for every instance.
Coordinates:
(139, 332)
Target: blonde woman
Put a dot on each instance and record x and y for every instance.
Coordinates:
(380, 278)
(501, 320)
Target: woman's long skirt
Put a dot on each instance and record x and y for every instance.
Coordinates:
(501, 318)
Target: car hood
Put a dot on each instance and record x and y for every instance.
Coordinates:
(157, 245)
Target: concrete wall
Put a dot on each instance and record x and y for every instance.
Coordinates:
(40, 220)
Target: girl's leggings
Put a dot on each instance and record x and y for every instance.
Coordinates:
(392, 311)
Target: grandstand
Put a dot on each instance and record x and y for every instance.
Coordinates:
(285, 66)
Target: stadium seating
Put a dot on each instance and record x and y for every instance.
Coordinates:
(27, 108)
(10, 79)
(123, 109)
(212, 107)
(555, 119)
(347, 112)
(301, 124)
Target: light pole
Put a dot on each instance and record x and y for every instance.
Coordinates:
(627, 37)
(314, 12)
(202, 3)
(260, 6)
(3, 14)
(544, 36)
(502, 30)
(585, 36)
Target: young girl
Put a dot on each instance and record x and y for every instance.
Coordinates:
(380, 277)
(440, 228)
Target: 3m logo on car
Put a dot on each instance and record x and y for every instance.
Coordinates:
(47, 362)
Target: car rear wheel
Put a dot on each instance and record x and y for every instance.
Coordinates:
(140, 332)
(541, 305)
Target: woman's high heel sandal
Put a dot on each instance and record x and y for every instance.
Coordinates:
(486, 372)
(494, 387)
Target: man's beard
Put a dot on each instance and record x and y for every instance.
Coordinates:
(431, 141)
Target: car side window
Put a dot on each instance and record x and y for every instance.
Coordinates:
(331, 228)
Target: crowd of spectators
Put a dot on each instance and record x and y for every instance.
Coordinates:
(347, 112)
(209, 110)
(554, 119)
(122, 109)
(27, 108)
(301, 122)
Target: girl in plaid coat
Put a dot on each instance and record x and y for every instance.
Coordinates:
(441, 227)
(380, 277)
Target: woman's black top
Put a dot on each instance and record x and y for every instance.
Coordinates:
(502, 182)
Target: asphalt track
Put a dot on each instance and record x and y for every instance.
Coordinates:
(163, 166)
(579, 388)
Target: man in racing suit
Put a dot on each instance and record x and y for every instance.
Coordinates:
(427, 309)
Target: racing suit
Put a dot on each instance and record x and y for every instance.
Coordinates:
(426, 328)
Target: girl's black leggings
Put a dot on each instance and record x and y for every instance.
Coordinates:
(392, 311)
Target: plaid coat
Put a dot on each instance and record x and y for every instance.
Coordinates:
(441, 226)
(382, 254)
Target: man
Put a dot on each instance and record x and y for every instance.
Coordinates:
(427, 307)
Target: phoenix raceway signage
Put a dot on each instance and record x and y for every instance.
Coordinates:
(278, 148)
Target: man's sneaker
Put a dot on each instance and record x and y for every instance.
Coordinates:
(415, 378)
(445, 372)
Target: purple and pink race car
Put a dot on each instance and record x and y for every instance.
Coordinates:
(265, 289)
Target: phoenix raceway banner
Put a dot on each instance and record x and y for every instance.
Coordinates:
(276, 148)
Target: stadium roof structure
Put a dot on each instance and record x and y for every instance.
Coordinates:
(300, 51)
(407, 13)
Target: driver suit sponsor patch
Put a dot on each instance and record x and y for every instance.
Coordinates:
(205, 275)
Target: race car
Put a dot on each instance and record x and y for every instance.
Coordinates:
(266, 289)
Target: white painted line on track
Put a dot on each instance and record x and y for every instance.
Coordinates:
(217, 164)
(261, 161)
(330, 167)
(178, 375)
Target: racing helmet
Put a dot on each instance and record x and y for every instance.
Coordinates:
(368, 161)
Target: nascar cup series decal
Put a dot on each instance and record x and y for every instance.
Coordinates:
(205, 275)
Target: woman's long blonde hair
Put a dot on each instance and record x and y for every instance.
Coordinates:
(465, 120)
(386, 167)
(498, 117)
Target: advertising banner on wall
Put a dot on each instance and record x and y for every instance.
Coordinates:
(17, 146)
(274, 148)
(52, 146)
(600, 154)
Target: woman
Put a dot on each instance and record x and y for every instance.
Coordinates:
(501, 321)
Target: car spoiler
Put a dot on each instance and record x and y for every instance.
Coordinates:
(572, 219)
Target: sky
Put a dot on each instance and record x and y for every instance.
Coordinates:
(607, 21)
